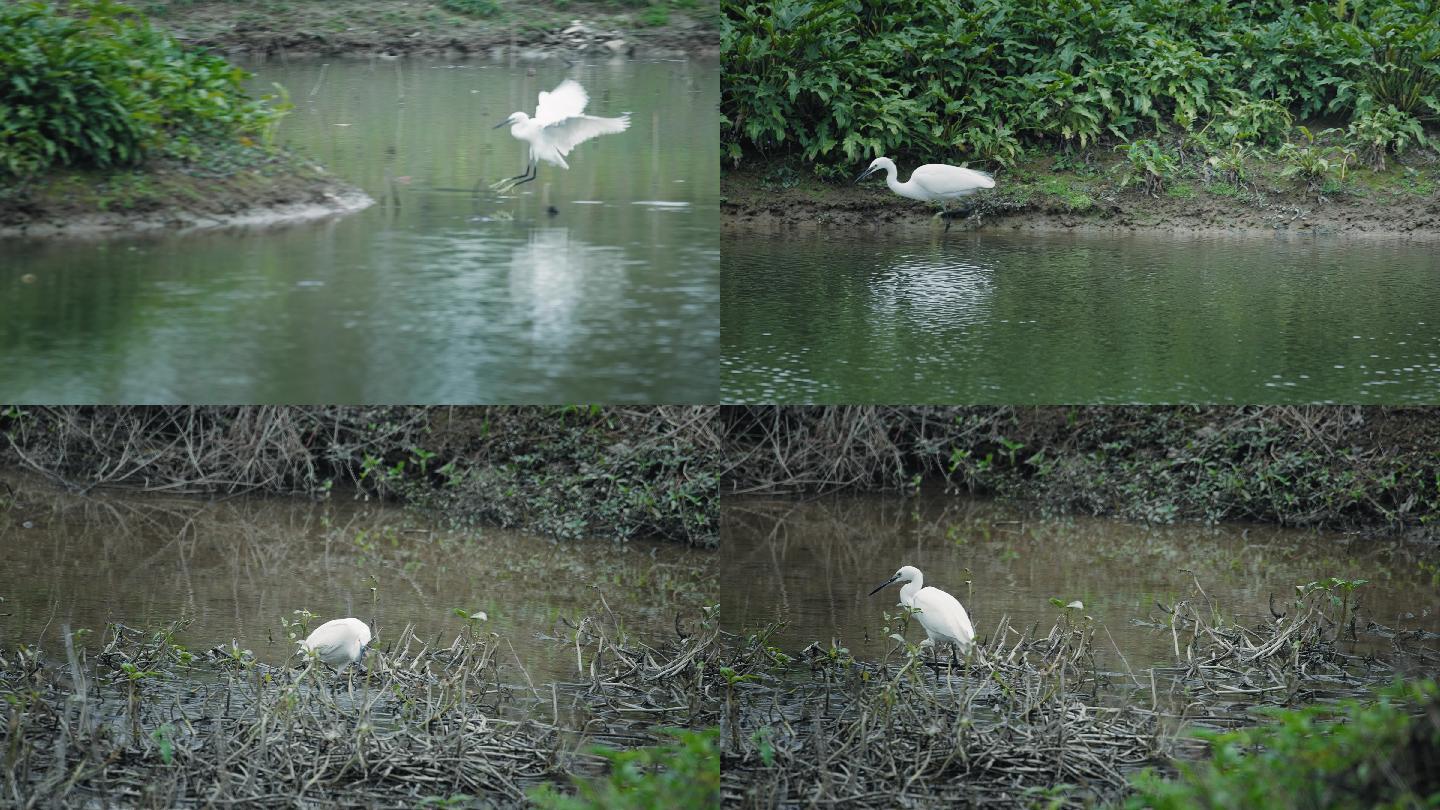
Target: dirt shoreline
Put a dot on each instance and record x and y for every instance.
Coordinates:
(1043, 202)
(335, 203)
(257, 188)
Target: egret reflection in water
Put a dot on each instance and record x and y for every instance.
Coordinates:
(1033, 318)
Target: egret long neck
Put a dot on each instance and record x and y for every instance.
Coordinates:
(907, 593)
(906, 189)
(892, 179)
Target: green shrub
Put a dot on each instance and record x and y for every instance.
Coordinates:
(1151, 163)
(1312, 163)
(1248, 120)
(474, 8)
(838, 81)
(1352, 755)
(106, 89)
(1404, 71)
(1377, 132)
(656, 15)
(685, 773)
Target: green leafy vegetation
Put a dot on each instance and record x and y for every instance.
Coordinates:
(1384, 130)
(97, 86)
(836, 82)
(1355, 754)
(474, 8)
(685, 773)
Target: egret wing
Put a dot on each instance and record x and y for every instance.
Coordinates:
(566, 101)
(950, 181)
(325, 648)
(566, 134)
(943, 612)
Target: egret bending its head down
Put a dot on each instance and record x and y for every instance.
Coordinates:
(339, 642)
(933, 182)
(558, 126)
(941, 614)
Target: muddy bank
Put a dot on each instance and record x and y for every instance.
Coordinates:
(457, 29)
(1401, 203)
(231, 186)
(567, 472)
(1366, 469)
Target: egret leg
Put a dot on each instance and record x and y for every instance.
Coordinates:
(511, 182)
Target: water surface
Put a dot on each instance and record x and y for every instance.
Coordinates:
(812, 565)
(1045, 319)
(233, 569)
(436, 294)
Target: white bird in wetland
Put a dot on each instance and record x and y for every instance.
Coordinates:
(338, 642)
(933, 182)
(942, 615)
(559, 125)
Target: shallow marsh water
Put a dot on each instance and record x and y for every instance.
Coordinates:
(235, 568)
(435, 294)
(812, 564)
(926, 317)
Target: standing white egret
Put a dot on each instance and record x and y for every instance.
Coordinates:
(941, 614)
(338, 642)
(933, 182)
(558, 126)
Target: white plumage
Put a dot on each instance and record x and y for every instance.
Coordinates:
(339, 642)
(933, 182)
(941, 614)
(559, 125)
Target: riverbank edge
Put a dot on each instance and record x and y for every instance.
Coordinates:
(1369, 470)
(566, 472)
(1402, 203)
(271, 188)
(372, 28)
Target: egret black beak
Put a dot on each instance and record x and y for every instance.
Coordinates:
(882, 585)
(862, 176)
(501, 124)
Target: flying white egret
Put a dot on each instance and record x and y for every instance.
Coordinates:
(338, 642)
(941, 614)
(933, 182)
(558, 126)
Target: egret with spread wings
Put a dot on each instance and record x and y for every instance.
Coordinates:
(559, 125)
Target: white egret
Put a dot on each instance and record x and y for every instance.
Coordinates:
(558, 126)
(933, 182)
(338, 642)
(941, 614)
